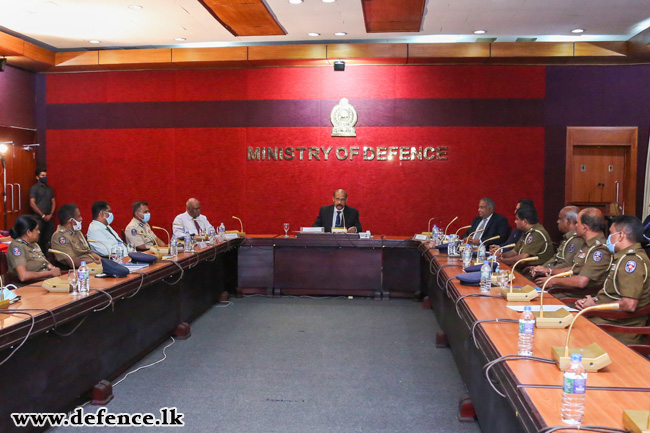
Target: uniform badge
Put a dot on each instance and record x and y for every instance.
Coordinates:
(62, 240)
(630, 266)
(571, 248)
(529, 239)
(598, 255)
(134, 232)
(16, 251)
(582, 255)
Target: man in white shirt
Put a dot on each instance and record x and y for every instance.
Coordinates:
(100, 229)
(191, 220)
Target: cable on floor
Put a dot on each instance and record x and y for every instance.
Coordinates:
(148, 365)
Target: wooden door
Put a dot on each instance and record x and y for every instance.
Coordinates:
(601, 168)
(20, 179)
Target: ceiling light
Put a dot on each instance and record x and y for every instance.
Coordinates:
(313, 34)
(95, 41)
(577, 30)
(328, 1)
(180, 39)
(340, 34)
(295, 2)
(480, 32)
(135, 7)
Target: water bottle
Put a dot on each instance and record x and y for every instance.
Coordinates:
(212, 236)
(467, 256)
(187, 240)
(486, 277)
(83, 278)
(222, 232)
(173, 246)
(434, 234)
(121, 252)
(573, 391)
(481, 253)
(526, 332)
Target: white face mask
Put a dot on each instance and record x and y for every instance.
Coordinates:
(76, 226)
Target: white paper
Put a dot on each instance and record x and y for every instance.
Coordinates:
(520, 308)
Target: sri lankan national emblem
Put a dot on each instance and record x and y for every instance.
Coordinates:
(344, 117)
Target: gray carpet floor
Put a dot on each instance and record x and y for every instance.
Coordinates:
(301, 365)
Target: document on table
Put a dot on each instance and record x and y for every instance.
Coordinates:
(520, 308)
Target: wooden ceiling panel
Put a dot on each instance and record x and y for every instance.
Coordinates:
(244, 17)
(388, 16)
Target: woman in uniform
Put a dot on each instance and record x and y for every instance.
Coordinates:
(25, 259)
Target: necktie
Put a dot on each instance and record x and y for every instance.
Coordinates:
(338, 219)
(480, 226)
(198, 227)
(112, 234)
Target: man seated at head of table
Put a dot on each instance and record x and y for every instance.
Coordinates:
(69, 239)
(569, 247)
(490, 222)
(25, 260)
(534, 241)
(138, 232)
(191, 220)
(101, 236)
(590, 266)
(339, 215)
(627, 281)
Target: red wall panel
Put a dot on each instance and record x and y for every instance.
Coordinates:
(167, 165)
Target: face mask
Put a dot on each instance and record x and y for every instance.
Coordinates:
(43, 179)
(610, 245)
(76, 226)
(146, 217)
(109, 219)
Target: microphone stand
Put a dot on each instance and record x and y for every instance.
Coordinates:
(526, 293)
(71, 262)
(554, 319)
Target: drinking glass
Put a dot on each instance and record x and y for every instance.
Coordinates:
(286, 229)
(72, 279)
(503, 278)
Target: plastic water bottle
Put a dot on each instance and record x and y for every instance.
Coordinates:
(83, 278)
(526, 332)
(212, 236)
(434, 234)
(481, 253)
(173, 246)
(573, 391)
(467, 256)
(187, 240)
(121, 252)
(486, 277)
(222, 232)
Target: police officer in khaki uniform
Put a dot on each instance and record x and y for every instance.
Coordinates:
(592, 263)
(69, 239)
(138, 232)
(25, 259)
(569, 247)
(627, 282)
(535, 240)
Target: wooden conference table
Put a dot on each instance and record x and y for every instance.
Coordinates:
(95, 339)
(533, 389)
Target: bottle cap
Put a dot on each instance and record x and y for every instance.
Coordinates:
(526, 307)
(83, 262)
(576, 357)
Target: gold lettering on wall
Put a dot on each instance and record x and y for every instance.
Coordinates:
(367, 153)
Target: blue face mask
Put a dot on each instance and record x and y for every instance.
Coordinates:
(109, 219)
(43, 180)
(146, 217)
(610, 245)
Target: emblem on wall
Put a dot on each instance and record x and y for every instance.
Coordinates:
(343, 118)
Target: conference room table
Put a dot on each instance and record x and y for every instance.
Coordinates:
(533, 390)
(70, 344)
(57, 347)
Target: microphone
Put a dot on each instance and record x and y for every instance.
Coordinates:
(464, 227)
(429, 227)
(526, 293)
(554, 319)
(67, 255)
(155, 242)
(100, 242)
(56, 284)
(503, 247)
(449, 225)
(488, 240)
(241, 225)
(594, 357)
(169, 238)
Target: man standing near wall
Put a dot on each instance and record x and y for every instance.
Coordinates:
(43, 204)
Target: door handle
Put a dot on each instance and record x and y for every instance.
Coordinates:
(20, 198)
(12, 197)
